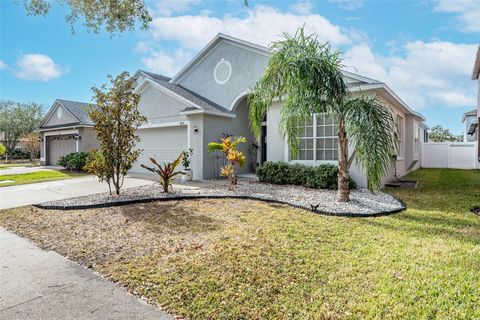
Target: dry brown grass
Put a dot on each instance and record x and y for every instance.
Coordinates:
(237, 259)
(96, 236)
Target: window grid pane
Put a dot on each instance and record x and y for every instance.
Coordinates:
(323, 143)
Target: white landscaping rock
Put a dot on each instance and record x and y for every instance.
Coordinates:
(362, 201)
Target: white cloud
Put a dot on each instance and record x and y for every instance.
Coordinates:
(3, 65)
(302, 7)
(142, 47)
(166, 64)
(168, 7)
(261, 25)
(421, 73)
(38, 67)
(348, 4)
(468, 13)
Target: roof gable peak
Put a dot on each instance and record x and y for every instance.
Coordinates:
(212, 44)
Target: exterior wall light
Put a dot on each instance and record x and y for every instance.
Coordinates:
(195, 129)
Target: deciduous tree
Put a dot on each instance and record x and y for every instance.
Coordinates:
(115, 15)
(441, 134)
(30, 143)
(115, 122)
(18, 119)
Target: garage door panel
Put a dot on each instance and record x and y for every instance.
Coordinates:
(162, 144)
(58, 146)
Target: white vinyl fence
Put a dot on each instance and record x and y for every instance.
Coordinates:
(459, 155)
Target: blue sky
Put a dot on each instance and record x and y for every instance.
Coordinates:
(423, 50)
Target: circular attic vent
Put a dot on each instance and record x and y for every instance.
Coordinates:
(222, 72)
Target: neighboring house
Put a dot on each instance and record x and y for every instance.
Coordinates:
(208, 98)
(65, 128)
(476, 76)
(470, 119)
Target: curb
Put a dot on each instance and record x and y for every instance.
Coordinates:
(190, 197)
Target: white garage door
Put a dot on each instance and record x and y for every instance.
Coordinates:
(163, 144)
(58, 146)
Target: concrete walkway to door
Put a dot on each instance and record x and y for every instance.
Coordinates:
(38, 284)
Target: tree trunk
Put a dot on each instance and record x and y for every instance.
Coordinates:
(343, 174)
(10, 145)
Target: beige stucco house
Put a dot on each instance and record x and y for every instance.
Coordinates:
(208, 98)
(65, 128)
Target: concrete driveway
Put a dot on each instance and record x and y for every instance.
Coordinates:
(27, 194)
(38, 284)
(21, 170)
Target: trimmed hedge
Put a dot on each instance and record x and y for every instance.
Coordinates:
(318, 177)
(73, 161)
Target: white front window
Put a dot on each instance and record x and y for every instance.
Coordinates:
(318, 139)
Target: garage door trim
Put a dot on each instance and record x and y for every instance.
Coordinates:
(57, 133)
(150, 125)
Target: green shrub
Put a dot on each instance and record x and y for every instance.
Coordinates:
(319, 177)
(73, 161)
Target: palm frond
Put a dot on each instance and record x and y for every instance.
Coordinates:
(373, 134)
(302, 73)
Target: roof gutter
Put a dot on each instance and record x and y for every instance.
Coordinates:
(212, 113)
(390, 92)
(63, 128)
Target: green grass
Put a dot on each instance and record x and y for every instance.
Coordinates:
(39, 176)
(237, 259)
(282, 263)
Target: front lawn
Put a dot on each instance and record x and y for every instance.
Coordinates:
(39, 176)
(236, 259)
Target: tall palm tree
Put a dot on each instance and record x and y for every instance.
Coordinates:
(306, 76)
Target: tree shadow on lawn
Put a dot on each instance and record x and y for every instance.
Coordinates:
(421, 223)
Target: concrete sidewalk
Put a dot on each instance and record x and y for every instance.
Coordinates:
(38, 284)
(27, 194)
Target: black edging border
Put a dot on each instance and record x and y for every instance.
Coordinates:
(244, 197)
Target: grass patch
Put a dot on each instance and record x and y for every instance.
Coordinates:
(236, 259)
(39, 176)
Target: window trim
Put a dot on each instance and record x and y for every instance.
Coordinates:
(401, 146)
(314, 137)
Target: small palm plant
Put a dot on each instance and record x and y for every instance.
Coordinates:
(166, 171)
(228, 146)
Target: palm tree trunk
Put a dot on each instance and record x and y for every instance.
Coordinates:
(343, 174)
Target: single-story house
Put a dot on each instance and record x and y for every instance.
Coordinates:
(207, 98)
(473, 130)
(66, 128)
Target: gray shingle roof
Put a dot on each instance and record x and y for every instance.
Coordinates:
(186, 93)
(78, 109)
